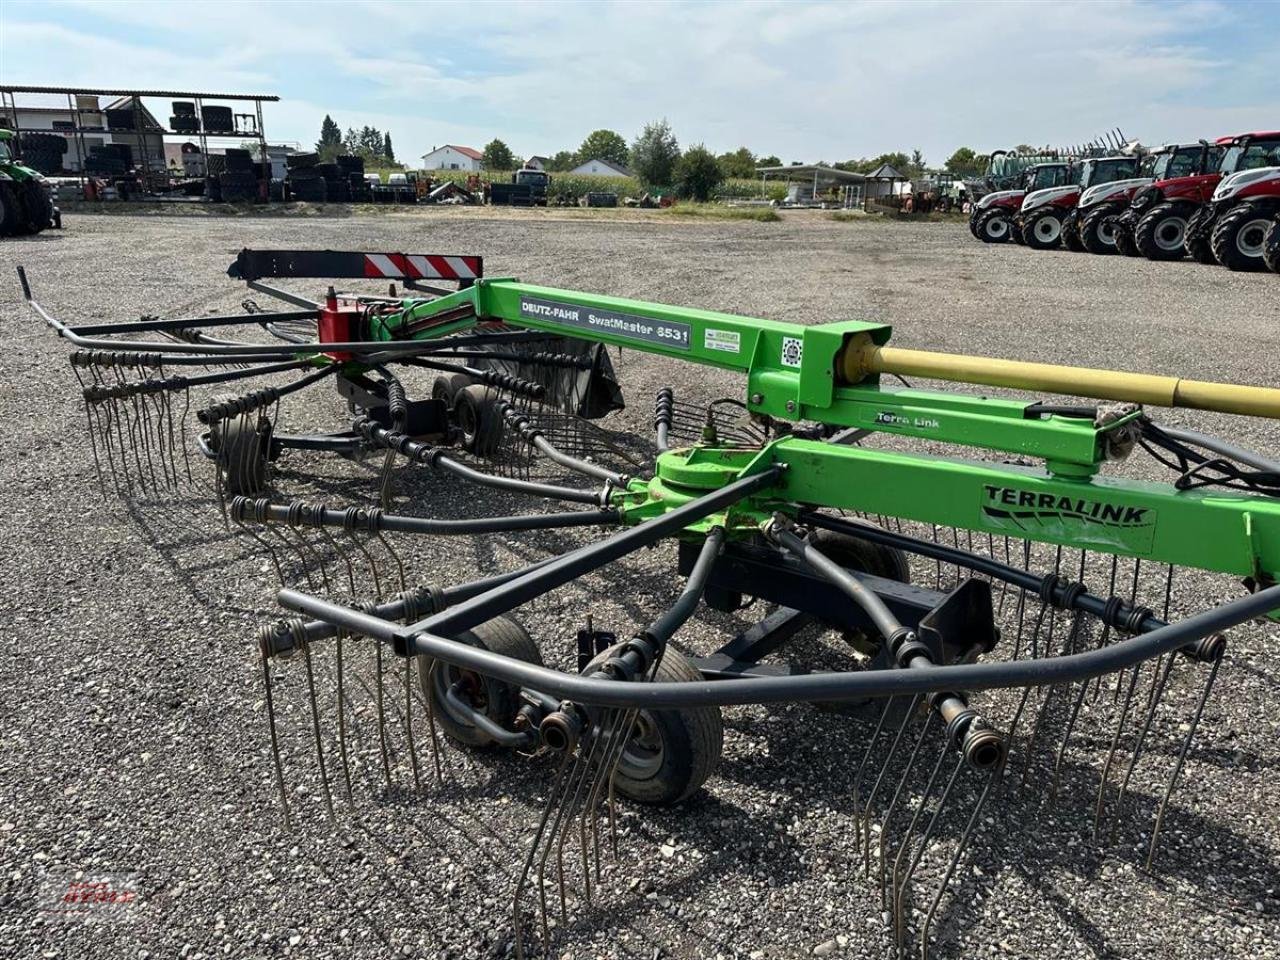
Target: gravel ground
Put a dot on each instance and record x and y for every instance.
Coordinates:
(134, 738)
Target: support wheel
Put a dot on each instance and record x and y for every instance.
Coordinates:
(671, 753)
(1042, 229)
(1071, 232)
(1098, 230)
(1239, 235)
(498, 701)
(244, 448)
(475, 411)
(1161, 234)
(447, 385)
(1271, 246)
(992, 226)
(1199, 227)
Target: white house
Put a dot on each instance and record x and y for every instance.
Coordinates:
(452, 157)
(536, 163)
(601, 168)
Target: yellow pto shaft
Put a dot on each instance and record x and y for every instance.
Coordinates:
(864, 358)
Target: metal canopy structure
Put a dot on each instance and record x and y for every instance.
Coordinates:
(9, 104)
(820, 176)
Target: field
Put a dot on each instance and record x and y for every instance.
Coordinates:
(132, 730)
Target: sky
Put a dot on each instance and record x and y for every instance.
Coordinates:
(807, 81)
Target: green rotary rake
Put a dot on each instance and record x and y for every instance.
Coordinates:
(1003, 609)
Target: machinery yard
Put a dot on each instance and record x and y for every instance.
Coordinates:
(132, 702)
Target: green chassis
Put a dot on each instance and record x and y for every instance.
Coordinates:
(792, 374)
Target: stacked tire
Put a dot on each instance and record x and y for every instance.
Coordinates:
(353, 182)
(43, 151)
(305, 181)
(218, 120)
(238, 181)
(184, 119)
(1239, 236)
(109, 159)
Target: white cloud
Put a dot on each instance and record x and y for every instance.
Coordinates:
(805, 80)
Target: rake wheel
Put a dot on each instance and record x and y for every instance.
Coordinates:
(671, 753)
(498, 701)
(478, 419)
(243, 448)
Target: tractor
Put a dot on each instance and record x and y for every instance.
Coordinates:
(1271, 245)
(1044, 213)
(26, 205)
(1100, 208)
(1165, 209)
(1244, 206)
(991, 217)
(1247, 152)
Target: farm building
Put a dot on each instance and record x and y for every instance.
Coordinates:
(815, 184)
(452, 157)
(536, 163)
(601, 168)
(99, 123)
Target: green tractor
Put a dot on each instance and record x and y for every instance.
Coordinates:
(26, 205)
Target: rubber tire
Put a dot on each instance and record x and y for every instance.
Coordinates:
(1071, 232)
(475, 412)
(446, 386)
(1146, 236)
(10, 211)
(1102, 216)
(1197, 242)
(242, 455)
(1032, 223)
(1271, 247)
(1015, 231)
(1229, 229)
(1126, 223)
(502, 636)
(973, 221)
(988, 217)
(35, 208)
(692, 739)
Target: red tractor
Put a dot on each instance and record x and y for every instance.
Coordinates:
(1156, 224)
(1244, 206)
(1043, 213)
(1247, 152)
(1102, 208)
(991, 218)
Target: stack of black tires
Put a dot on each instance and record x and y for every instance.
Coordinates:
(184, 119)
(238, 182)
(352, 169)
(305, 180)
(109, 160)
(218, 120)
(43, 151)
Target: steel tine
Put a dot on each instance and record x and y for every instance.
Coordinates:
(951, 867)
(339, 668)
(333, 544)
(1133, 599)
(384, 479)
(897, 795)
(373, 567)
(182, 432)
(275, 559)
(408, 724)
(907, 838)
(516, 917)
(1159, 678)
(1069, 727)
(305, 549)
(1111, 754)
(857, 777)
(431, 721)
(315, 726)
(382, 713)
(1068, 644)
(561, 806)
(1106, 628)
(924, 843)
(875, 788)
(395, 557)
(613, 750)
(1182, 758)
(275, 743)
(587, 767)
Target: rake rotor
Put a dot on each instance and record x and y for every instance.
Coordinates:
(1008, 631)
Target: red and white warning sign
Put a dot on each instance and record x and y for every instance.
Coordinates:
(417, 266)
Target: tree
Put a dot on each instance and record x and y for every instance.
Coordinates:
(916, 167)
(562, 161)
(741, 163)
(351, 141)
(388, 153)
(330, 143)
(498, 156)
(769, 161)
(604, 145)
(964, 162)
(654, 154)
(697, 174)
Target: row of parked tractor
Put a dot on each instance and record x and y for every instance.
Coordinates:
(1213, 201)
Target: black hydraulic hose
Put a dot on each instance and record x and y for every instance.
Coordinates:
(1223, 448)
(674, 617)
(189, 323)
(505, 737)
(527, 429)
(1139, 620)
(883, 618)
(305, 514)
(807, 687)
(579, 562)
(437, 459)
